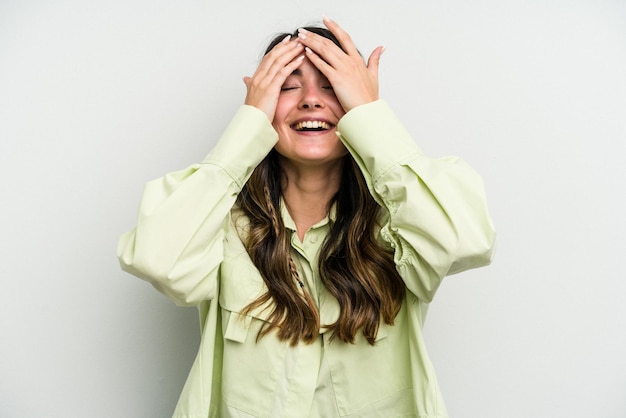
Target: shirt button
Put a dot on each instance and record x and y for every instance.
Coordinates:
(313, 239)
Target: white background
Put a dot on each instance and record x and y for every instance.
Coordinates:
(98, 97)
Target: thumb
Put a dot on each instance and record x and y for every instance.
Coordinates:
(374, 59)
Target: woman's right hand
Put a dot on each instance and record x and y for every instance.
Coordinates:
(264, 86)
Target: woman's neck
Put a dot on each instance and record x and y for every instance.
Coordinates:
(307, 192)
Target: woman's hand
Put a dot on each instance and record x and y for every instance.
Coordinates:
(264, 86)
(354, 82)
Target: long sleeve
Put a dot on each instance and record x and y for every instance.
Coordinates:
(438, 222)
(177, 244)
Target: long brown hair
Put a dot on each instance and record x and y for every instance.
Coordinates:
(354, 267)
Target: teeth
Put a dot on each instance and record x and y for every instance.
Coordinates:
(311, 124)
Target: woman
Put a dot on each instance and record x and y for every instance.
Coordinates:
(311, 238)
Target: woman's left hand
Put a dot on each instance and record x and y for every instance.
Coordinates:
(354, 82)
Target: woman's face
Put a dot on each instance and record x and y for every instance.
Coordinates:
(306, 118)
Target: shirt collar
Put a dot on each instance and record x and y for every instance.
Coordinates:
(290, 224)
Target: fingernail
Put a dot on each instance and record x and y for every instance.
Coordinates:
(286, 39)
(325, 18)
(302, 33)
(308, 50)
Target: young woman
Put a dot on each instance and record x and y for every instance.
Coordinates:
(311, 238)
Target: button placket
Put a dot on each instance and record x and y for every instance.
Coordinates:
(304, 267)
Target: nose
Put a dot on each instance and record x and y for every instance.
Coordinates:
(311, 98)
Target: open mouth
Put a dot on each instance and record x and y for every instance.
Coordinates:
(312, 125)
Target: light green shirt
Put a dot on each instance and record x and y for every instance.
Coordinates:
(187, 243)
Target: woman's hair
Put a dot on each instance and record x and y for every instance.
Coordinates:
(354, 268)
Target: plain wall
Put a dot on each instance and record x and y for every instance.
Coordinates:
(98, 97)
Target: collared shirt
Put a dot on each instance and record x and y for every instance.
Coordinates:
(188, 244)
(306, 259)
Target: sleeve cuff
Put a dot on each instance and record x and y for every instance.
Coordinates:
(376, 137)
(248, 138)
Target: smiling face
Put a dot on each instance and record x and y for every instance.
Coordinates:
(306, 118)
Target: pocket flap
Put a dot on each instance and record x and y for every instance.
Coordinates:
(241, 283)
(237, 327)
(382, 331)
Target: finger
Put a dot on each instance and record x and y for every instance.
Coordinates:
(263, 92)
(283, 54)
(319, 63)
(344, 38)
(279, 56)
(271, 70)
(288, 69)
(275, 81)
(322, 47)
(280, 70)
(374, 59)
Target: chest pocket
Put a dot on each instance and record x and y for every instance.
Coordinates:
(240, 284)
(247, 364)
